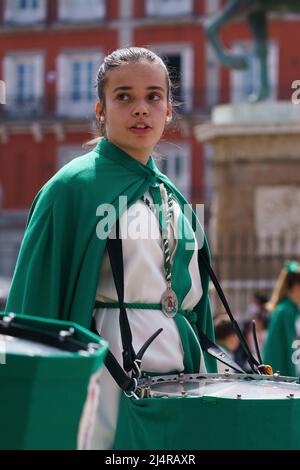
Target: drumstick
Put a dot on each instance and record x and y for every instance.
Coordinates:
(265, 369)
(256, 342)
(251, 360)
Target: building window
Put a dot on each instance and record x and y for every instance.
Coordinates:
(24, 11)
(25, 81)
(81, 10)
(175, 161)
(24, 76)
(169, 7)
(76, 83)
(180, 60)
(246, 82)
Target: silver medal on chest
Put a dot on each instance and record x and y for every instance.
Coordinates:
(169, 303)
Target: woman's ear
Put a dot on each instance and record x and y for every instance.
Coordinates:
(99, 109)
(169, 113)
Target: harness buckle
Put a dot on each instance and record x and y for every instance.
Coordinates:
(132, 392)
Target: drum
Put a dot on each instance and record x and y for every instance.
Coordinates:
(212, 411)
(45, 370)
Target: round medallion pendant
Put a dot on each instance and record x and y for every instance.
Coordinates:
(169, 303)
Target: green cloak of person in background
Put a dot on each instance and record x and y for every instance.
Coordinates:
(280, 346)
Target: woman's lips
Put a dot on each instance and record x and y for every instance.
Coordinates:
(140, 130)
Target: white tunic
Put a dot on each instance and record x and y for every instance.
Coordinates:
(144, 282)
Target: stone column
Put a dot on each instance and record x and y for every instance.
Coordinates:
(256, 174)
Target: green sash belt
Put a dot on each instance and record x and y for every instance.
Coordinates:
(190, 315)
(189, 340)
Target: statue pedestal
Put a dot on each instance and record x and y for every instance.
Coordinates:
(256, 172)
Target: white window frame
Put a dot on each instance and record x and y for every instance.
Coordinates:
(67, 11)
(2, 92)
(238, 77)
(186, 52)
(212, 64)
(10, 63)
(212, 77)
(65, 105)
(14, 14)
(169, 7)
(169, 152)
(212, 6)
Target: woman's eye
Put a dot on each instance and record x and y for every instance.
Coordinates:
(123, 97)
(154, 97)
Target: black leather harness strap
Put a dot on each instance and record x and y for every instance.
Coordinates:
(131, 360)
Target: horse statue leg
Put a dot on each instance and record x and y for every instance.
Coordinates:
(258, 24)
(233, 10)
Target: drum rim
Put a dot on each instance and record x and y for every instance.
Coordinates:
(56, 340)
(146, 385)
(147, 381)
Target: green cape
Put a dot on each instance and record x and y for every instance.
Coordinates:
(278, 349)
(57, 272)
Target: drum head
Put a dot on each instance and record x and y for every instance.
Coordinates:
(26, 347)
(227, 388)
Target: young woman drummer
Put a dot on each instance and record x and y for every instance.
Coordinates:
(63, 270)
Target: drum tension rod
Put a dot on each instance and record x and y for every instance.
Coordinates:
(8, 319)
(64, 334)
(93, 346)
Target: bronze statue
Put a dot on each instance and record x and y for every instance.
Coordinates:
(255, 12)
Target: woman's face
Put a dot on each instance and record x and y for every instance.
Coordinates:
(295, 293)
(136, 107)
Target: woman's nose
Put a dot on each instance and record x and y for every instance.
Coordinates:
(140, 109)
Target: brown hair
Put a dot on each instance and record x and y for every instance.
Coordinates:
(223, 327)
(126, 56)
(286, 280)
